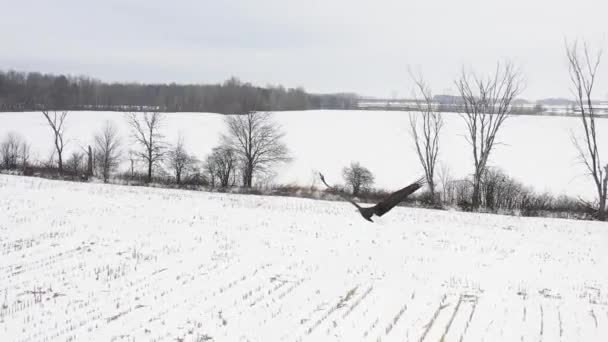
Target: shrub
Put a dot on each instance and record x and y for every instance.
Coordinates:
(501, 193)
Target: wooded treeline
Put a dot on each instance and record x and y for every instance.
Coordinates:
(21, 91)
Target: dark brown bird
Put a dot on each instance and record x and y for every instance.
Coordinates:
(387, 204)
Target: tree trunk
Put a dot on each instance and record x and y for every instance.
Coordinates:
(249, 176)
(601, 213)
(106, 170)
(476, 200)
(432, 190)
(90, 163)
(603, 193)
(355, 190)
(150, 171)
(60, 164)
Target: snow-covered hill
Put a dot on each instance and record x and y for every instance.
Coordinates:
(92, 262)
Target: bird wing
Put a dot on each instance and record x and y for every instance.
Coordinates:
(397, 197)
(338, 192)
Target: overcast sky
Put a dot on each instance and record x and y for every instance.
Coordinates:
(322, 45)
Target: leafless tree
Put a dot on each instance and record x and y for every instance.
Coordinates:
(486, 105)
(357, 177)
(24, 154)
(10, 150)
(75, 162)
(56, 121)
(90, 161)
(425, 132)
(446, 179)
(107, 150)
(583, 67)
(221, 165)
(210, 169)
(179, 160)
(145, 130)
(257, 141)
(132, 160)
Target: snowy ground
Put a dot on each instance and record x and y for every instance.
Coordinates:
(535, 150)
(92, 262)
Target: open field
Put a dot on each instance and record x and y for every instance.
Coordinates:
(535, 150)
(91, 262)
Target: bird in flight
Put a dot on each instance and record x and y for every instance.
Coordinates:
(387, 204)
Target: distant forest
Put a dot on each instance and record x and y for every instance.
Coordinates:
(21, 91)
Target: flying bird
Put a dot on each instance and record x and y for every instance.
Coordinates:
(387, 204)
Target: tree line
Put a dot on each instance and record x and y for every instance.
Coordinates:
(21, 91)
(250, 148)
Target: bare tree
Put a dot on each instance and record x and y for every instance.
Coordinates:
(221, 165)
(583, 69)
(446, 180)
(486, 105)
(56, 121)
(107, 150)
(145, 129)
(74, 163)
(210, 169)
(132, 160)
(357, 177)
(425, 132)
(90, 161)
(257, 140)
(24, 154)
(179, 160)
(10, 151)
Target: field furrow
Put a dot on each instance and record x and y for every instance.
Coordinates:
(91, 262)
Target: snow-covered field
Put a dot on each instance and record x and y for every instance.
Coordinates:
(535, 150)
(92, 262)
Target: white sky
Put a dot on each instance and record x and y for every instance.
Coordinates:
(324, 46)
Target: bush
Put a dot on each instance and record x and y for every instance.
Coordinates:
(14, 152)
(501, 193)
